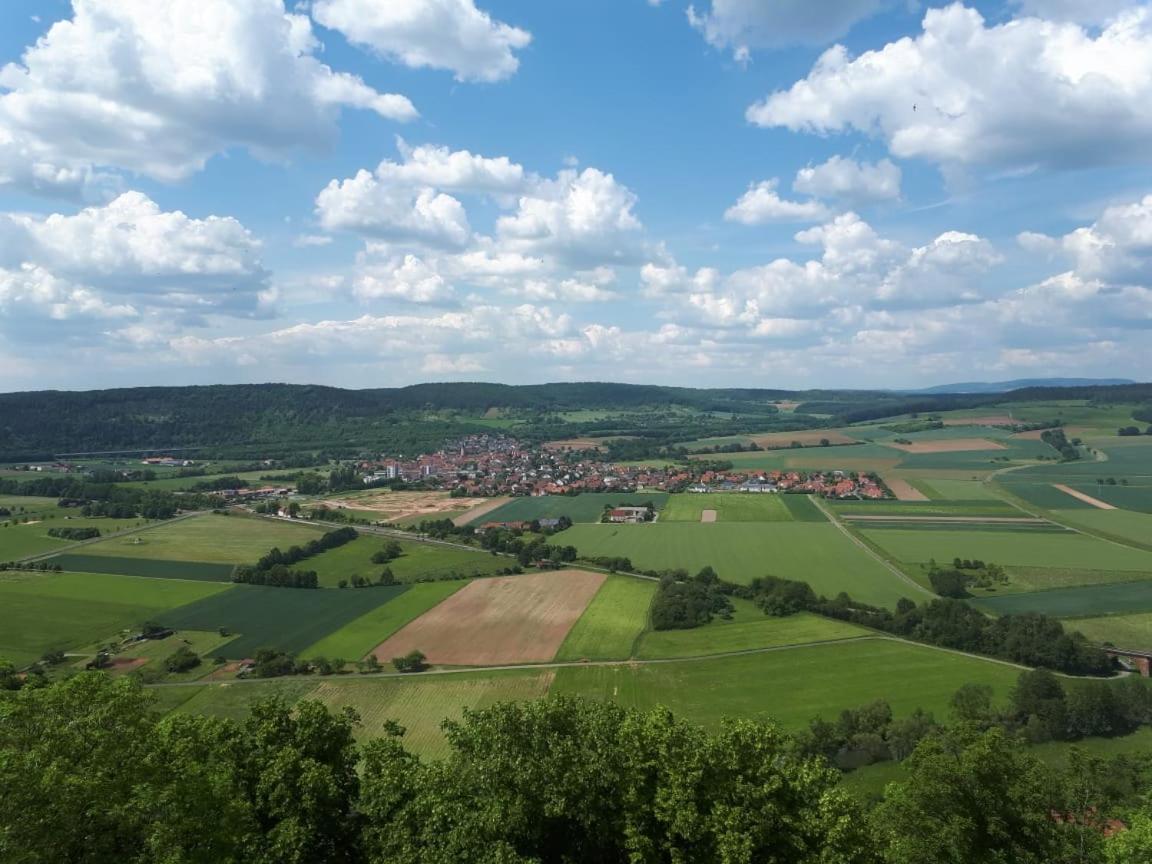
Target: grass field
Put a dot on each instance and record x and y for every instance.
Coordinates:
(926, 508)
(1089, 601)
(420, 560)
(196, 570)
(209, 538)
(587, 507)
(818, 554)
(231, 701)
(42, 612)
(358, 637)
(156, 651)
(22, 540)
(749, 628)
(729, 507)
(856, 457)
(613, 621)
(288, 619)
(803, 508)
(1125, 631)
(792, 685)
(1116, 523)
(1026, 549)
(955, 490)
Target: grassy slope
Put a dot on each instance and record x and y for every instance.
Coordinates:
(1126, 631)
(21, 540)
(419, 559)
(211, 538)
(610, 625)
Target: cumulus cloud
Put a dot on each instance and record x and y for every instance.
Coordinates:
(437, 34)
(849, 180)
(762, 204)
(744, 25)
(1027, 93)
(410, 278)
(158, 88)
(1085, 11)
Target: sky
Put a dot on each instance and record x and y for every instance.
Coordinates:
(753, 193)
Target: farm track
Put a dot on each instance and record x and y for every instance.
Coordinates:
(126, 532)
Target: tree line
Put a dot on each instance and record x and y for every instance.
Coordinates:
(275, 568)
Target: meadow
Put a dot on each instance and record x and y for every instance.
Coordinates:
(613, 621)
(1123, 524)
(729, 507)
(587, 507)
(819, 554)
(419, 560)
(1133, 631)
(21, 540)
(65, 611)
(1088, 601)
(197, 570)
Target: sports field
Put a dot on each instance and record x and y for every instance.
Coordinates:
(588, 507)
(1006, 548)
(210, 538)
(426, 561)
(503, 620)
(48, 611)
(729, 507)
(793, 685)
(288, 619)
(749, 629)
(815, 553)
(1124, 631)
(1089, 601)
(613, 621)
(358, 637)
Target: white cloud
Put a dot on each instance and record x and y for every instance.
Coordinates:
(410, 279)
(1084, 11)
(305, 241)
(437, 34)
(847, 179)
(1117, 248)
(1022, 94)
(452, 170)
(158, 88)
(762, 204)
(743, 25)
(365, 205)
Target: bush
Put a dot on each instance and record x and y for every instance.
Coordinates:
(414, 661)
(183, 660)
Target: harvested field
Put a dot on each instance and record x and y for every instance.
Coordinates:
(707, 515)
(903, 490)
(993, 420)
(1084, 496)
(946, 445)
(809, 438)
(483, 508)
(511, 619)
(389, 506)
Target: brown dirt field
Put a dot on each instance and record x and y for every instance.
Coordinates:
(486, 506)
(505, 620)
(954, 445)
(785, 405)
(808, 437)
(707, 515)
(1034, 435)
(126, 664)
(1083, 496)
(993, 420)
(903, 490)
(389, 506)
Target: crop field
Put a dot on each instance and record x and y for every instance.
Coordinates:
(809, 438)
(419, 561)
(1088, 601)
(729, 507)
(1043, 495)
(588, 507)
(420, 705)
(816, 553)
(803, 508)
(48, 611)
(858, 457)
(209, 538)
(992, 508)
(793, 685)
(197, 570)
(613, 621)
(1126, 457)
(1131, 497)
(955, 490)
(230, 701)
(508, 619)
(288, 619)
(749, 629)
(179, 484)
(1123, 524)
(1133, 632)
(1025, 549)
(358, 637)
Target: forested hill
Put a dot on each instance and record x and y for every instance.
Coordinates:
(264, 417)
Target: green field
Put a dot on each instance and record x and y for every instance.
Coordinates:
(23, 540)
(288, 619)
(175, 484)
(729, 507)
(792, 685)
(853, 457)
(48, 611)
(803, 508)
(1122, 524)
(749, 629)
(819, 554)
(1125, 631)
(1089, 601)
(197, 570)
(955, 490)
(156, 651)
(925, 508)
(231, 701)
(588, 507)
(613, 621)
(209, 538)
(1067, 550)
(420, 560)
(1043, 495)
(1131, 497)
(359, 636)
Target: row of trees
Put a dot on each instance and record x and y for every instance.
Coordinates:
(555, 781)
(1056, 439)
(296, 554)
(74, 533)
(108, 499)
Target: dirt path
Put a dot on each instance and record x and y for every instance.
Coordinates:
(707, 515)
(1083, 496)
(479, 510)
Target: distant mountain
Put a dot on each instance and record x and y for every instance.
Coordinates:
(1020, 384)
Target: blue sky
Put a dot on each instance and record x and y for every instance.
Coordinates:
(874, 193)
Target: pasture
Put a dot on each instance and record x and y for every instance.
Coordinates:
(613, 621)
(587, 507)
(819, 554)
(1088, 601)
(288, 619)
(729, 507)
(21, 540)
(358, 637)
(803, 508)
(793, 685)
(40, 612)
(1133, 632)
(504, 620)
(426, 561)
(210, 538)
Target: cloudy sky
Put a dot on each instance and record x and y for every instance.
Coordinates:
(773, 193)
